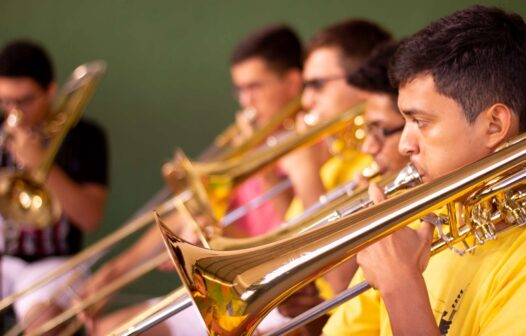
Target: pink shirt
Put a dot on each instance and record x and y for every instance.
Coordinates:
(259, 220)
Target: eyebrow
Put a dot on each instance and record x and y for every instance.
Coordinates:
(412, 112)
(372, 124)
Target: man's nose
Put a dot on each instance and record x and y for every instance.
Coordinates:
(370, 145)
(408, 144)
(308, 100)
(246, 98)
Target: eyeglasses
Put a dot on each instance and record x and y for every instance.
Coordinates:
(20, 103)
(317, 84)
(380, 133)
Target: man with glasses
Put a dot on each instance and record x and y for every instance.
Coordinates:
(383, 121)
(332, 54)
(78, 180)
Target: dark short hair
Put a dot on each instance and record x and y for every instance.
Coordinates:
(278, 45)
(355, 38)
(24, 58)
(373, 75)
(476, 56)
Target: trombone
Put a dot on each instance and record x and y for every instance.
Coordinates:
(23, 198)
(161, 201)
(234, 290)
(342, 201)
(282, 120)
(183, 174)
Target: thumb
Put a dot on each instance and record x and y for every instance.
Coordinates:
(425, 233)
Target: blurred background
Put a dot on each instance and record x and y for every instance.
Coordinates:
(168, 81)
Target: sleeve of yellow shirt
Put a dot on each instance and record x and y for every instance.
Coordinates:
(336, 171)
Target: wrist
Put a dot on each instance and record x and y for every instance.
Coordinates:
(410, 298)
(401, 285)
(116, 268)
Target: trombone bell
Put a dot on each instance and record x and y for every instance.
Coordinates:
(22, 200)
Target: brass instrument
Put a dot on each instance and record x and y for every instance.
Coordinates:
(330, 205)
(199, 180)
(234, 290)
(336, 203)
(170, 305)
(23, 199)
(164, 202)
(214, 180)
(224, 147)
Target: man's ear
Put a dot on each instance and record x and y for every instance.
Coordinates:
(51, 90)
(294, 81)
(501, 123)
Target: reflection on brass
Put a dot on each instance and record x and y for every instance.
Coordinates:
(208, 182)
(234, 290)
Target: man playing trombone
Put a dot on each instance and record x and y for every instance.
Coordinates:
(383, 123)
(461, 92)
(266, 74)
(78, 179)
(331, 55)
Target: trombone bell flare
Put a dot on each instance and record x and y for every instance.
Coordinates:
(168, 238)
(26, 201)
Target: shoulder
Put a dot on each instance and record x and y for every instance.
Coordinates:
(85, 126)
(87, 132)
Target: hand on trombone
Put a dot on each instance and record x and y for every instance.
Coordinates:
(245, 123)
(402, 255)
(394, 266)
(304, 165)
(143, 250)
(24, 145)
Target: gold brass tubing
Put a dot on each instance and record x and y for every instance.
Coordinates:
(234, 290)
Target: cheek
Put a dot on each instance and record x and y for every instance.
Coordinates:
(391, 150)
(444, 158)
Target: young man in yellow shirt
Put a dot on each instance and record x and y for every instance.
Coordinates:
(461, 91)
(344, 48)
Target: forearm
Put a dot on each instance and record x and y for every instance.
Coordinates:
(145, 248)
(303, 169)
(340, 277)
(408, 307)
(148, 246)
(308, 187)
(82, 203)
(281, 201)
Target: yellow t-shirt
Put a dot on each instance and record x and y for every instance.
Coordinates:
(476, 294)
(336, 171)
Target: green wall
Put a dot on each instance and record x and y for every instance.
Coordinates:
(168, 83)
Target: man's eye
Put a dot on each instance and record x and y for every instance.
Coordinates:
(419, 123)
(314, 84)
